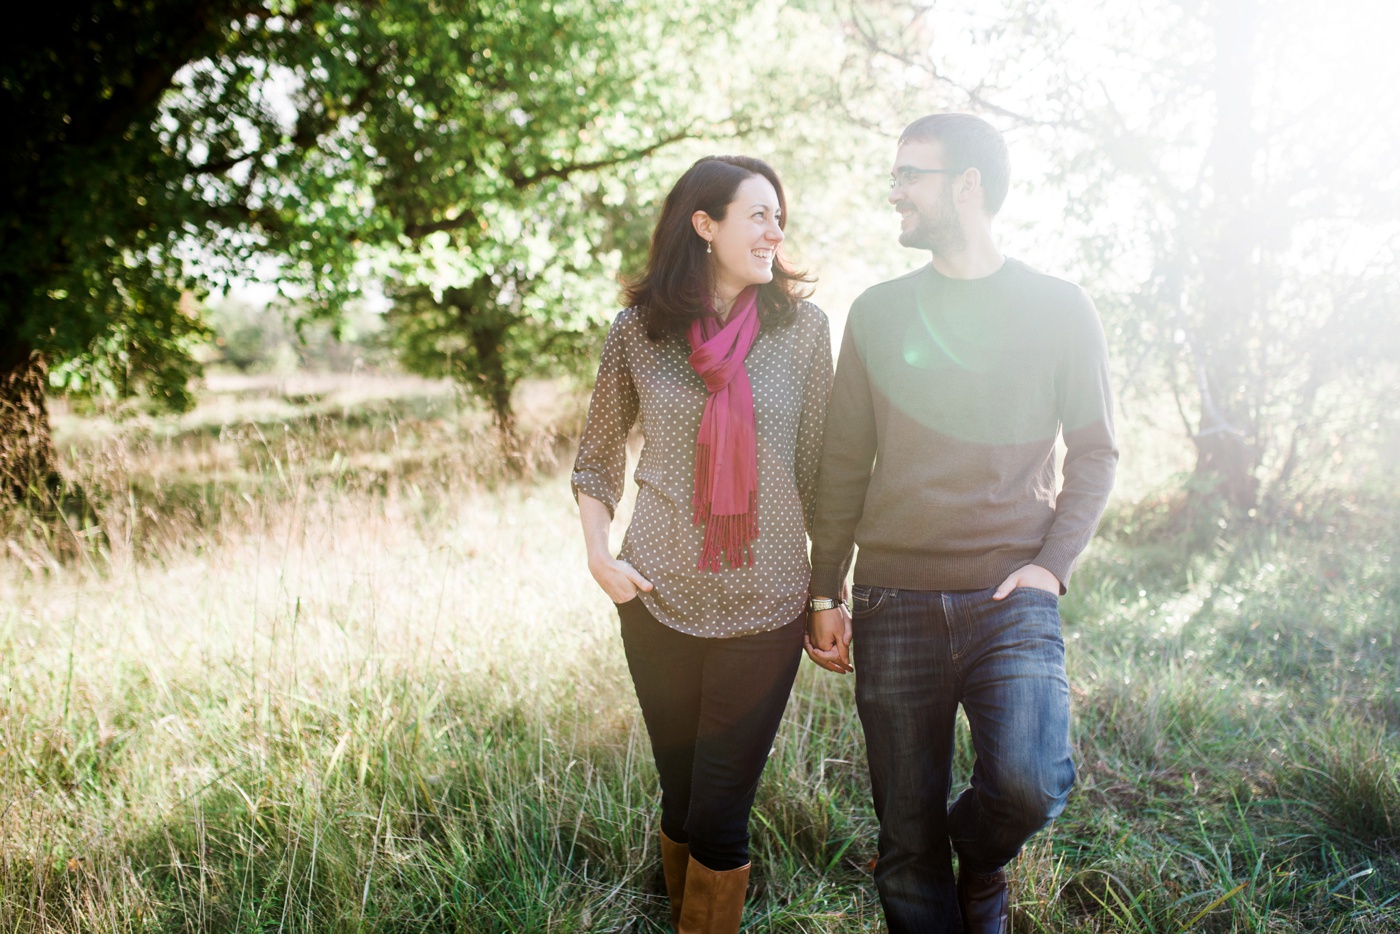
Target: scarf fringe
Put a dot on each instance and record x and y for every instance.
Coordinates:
(730, 537)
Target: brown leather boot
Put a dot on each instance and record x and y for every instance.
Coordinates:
(674, 859)
(714, 901)
(985, 903)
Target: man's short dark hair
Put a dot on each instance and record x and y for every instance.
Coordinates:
(968, 143)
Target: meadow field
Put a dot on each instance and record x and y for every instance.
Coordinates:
(327, 665)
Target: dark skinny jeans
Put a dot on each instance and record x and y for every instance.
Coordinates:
(712, 708)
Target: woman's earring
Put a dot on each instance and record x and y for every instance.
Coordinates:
(709, 247)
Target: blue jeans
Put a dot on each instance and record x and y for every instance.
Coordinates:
(712, 708)
(919, 654)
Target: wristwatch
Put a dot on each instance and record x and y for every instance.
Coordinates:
(817, 604)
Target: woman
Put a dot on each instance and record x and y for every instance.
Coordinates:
(727, 371)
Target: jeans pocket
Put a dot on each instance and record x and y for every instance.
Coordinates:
(867, 601)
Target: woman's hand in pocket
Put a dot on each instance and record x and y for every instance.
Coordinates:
(619, 580)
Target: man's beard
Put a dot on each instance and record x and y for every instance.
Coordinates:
(941, 233)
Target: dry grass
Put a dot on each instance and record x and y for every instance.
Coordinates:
(330, 669)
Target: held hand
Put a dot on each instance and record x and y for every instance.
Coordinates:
(1032, 575)
(828, 639)
(619, 580)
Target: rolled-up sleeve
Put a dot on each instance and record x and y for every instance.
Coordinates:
(600, 470)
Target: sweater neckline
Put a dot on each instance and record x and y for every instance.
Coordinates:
(1001, 273)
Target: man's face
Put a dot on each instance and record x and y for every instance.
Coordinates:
(929, 217)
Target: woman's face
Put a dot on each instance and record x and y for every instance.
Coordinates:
(745, 243)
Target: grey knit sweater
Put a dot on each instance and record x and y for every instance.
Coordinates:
(939, 450)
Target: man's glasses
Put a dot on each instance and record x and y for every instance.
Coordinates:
(906, 175)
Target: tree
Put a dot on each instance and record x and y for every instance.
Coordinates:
(517, 295)
(90, 207)
(157, 150)
(1233, 193)
(1257, 172)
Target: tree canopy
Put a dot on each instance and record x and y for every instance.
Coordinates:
(157, 148)
(1216, 172)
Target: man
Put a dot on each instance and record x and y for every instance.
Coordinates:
(939, 462)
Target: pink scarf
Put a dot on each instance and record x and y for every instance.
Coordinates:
(726, 450)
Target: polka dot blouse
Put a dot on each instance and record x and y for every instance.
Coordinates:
(652, 383)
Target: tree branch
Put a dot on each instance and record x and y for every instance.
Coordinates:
(520, 179)
(874, 44)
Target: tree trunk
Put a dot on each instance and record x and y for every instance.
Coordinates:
(488, 329)
(504, 415)
(1226, 441)
(28, 470)
(1225, 466)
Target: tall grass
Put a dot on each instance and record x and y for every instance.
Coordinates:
(329, 670)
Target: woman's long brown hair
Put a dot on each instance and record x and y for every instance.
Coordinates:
(676, 285)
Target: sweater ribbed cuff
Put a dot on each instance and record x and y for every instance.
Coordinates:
(1058, 560)
(827, 580)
